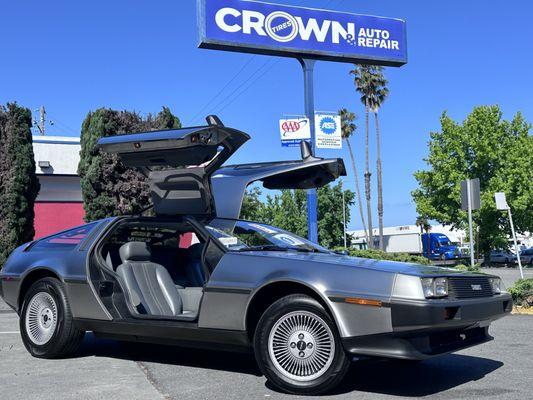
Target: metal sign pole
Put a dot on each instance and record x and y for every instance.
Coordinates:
(344, 218)
(515, 244)
(308, 67)
(470, 230)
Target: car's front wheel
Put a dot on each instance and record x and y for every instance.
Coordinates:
(46, 324)
(298, 348)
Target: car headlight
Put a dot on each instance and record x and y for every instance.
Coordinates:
(435, 287)
(496, 284)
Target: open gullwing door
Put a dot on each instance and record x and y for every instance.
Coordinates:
(229, 182)
(178, 163)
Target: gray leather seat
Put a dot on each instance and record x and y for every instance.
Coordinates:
(149, 285)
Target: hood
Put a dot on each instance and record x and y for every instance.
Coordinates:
(366, 263)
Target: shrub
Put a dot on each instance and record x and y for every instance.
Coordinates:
(381, 255)
(522, 292)
(468, 268)
(19, 185)
(108, 186)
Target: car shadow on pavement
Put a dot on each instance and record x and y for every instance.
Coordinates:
(397, 378)
(168, 354)
(403, 378)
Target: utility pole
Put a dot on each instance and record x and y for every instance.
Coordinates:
(41, 124)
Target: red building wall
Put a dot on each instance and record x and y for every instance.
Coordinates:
(51, 217)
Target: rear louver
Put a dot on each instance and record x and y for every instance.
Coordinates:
(469, 287)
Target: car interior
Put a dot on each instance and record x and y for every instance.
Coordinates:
(159, 267)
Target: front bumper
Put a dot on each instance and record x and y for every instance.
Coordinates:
(424, 329)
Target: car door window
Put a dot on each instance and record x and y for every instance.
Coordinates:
(64, 240)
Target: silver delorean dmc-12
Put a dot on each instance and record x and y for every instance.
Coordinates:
(196, 275)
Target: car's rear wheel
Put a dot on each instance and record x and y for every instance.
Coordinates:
(46, 324)
(298, 348)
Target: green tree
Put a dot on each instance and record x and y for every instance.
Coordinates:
(288, 210)
(108, 187)
(252, 208)
(348, 129)
(371, 84)
(485, 146)
(330, 214)
(424, 225)
(19, 185)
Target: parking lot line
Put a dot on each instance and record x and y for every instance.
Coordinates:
(9, 332)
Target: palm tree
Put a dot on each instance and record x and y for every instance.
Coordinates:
(425, 226)
(371, 84)
(380, 94)
(363, 84)
(348, 128)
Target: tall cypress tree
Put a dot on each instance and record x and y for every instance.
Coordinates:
(19, 185)
(108, 187)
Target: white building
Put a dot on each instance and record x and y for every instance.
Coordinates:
(459, 236)
(59, 203)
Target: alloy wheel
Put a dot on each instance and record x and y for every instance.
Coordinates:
(301, 346)
(41, 318)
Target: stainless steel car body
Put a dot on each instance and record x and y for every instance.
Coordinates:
(375, 304)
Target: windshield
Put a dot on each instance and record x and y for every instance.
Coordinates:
(239, 235)
(444, 241)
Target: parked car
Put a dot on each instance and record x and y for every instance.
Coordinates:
(194, 275)
(464, 251)
(526, 256)
(502, 257)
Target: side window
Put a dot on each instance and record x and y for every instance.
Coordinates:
(65, 240)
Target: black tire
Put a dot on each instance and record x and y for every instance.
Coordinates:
(332, 376)
(66, 337)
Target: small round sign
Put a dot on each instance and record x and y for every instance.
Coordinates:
(328, 125)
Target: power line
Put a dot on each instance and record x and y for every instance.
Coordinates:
(63, 125)
(199, 113)
(221, 103)
(250, 85)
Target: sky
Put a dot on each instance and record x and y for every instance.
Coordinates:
(73, 57)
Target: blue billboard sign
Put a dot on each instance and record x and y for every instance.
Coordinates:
(275, 29)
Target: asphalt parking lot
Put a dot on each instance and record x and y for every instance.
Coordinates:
(509, 275)
(105, 369)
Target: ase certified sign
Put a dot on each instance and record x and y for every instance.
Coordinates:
(328, 131)
(275, 29)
